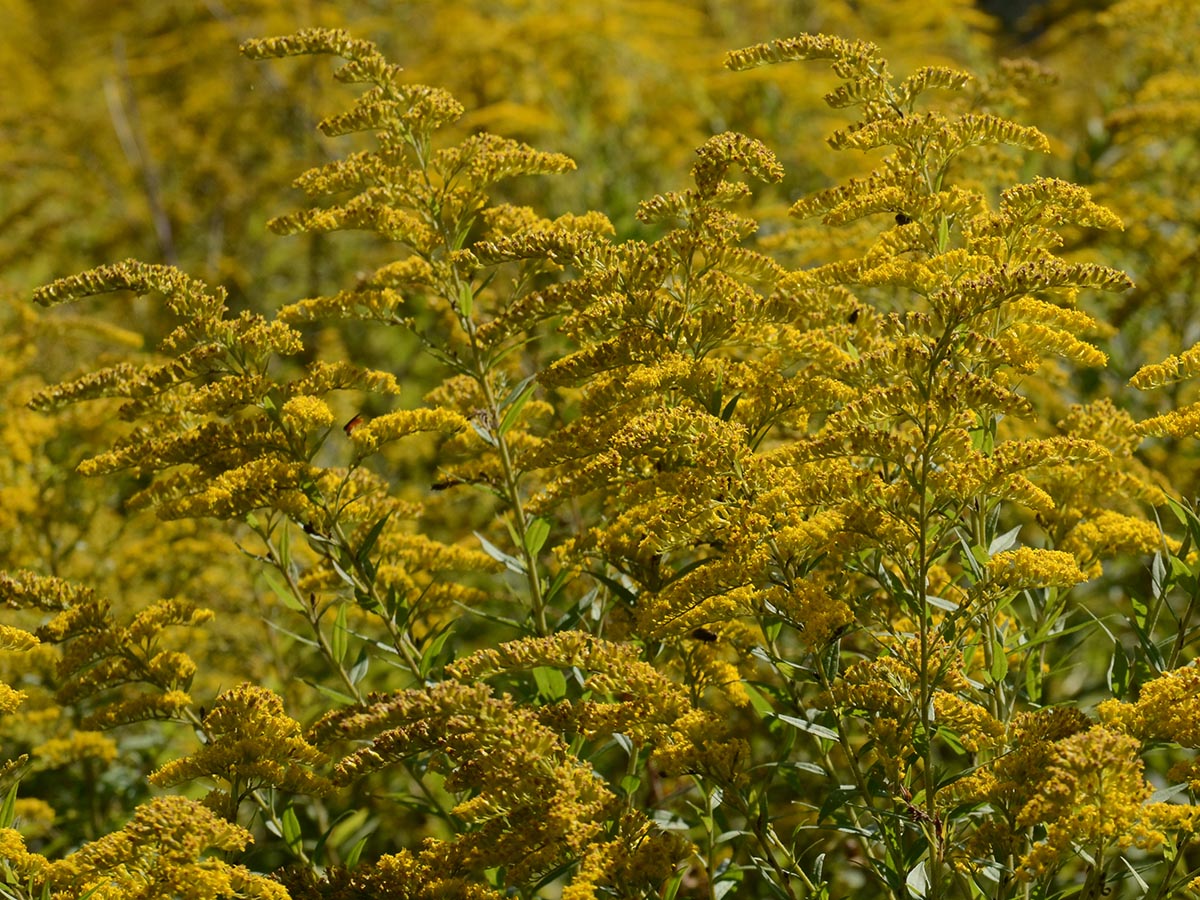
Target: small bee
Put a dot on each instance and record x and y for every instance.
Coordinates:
(353, 423)
(902, 219)
(703, 634)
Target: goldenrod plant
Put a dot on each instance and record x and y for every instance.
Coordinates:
(698, 563)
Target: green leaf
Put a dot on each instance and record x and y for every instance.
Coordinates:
(626, 595)
(484, 435)
(1140, 611)
(826, 734)
(761, 704)
(1118, 675)
(723, 886)
(1033, 684)
(319, 850)
(726, 836)
(433, 650)
(951, 740)
(999, 667)
(1181, 512)
(727, 412)
(1143, 888)
(8, 811)
(1003, 542)
(339, 640)
(342, 572)
(1153, 654)
(942, 603)
(831, 659)
(917, 880)
(299, 638)
(368, 544)
(835, 801)
(810, 767)
(285, 546)
(355, 853)
(359, 671)
(337, 696)
(515, 403)
(668, 821)
(291, 829)
(1158, 574)
(551, 683)
(671, 889)
(282, 591)
(536, 534)
(974, 557)
(466, 301)
(556, 585)
(509, 562)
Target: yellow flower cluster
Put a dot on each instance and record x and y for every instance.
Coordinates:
(79, 745)
(428, 872)
(1030, 567)
(639, 700)
(1093, 793)
(28, 589)
(10, 698)
(1167, 710)
(639, 854)
(531, 803)
(16, 638)
(17, 858)
(818, 614)
(161, 852)
(974, 726)
(305, 413)
(1106, 533)
(103, 660)
(1171, 370)
(370, 436)
(251, 744)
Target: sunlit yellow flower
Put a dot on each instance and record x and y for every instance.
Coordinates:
(1028, 567)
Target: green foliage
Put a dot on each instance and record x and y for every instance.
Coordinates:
(654, 553)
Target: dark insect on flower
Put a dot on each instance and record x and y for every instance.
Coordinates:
(853, 317)
(902, 219)
(353, 423)
(703, 634)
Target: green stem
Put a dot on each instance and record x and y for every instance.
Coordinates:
(512, 493)
(480, 371)
(925, 696)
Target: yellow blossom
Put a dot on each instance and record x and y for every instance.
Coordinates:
(164, 848)
(253, 744)
(79, 746)
(1029, 567)
(306, 413)
(1093, 794)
